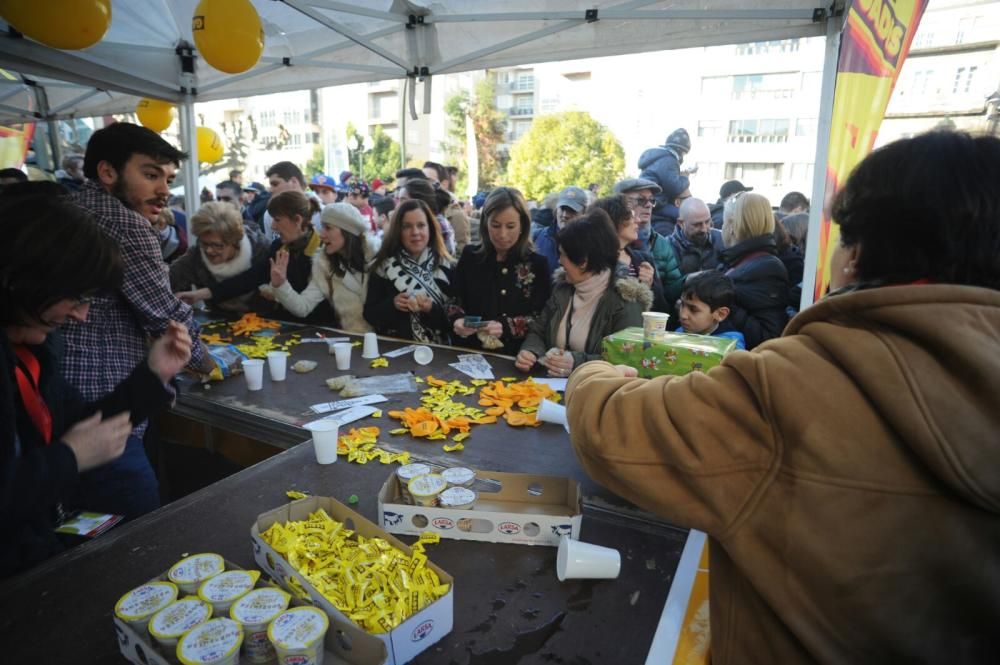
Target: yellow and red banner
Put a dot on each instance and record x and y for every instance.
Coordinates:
(873, 46)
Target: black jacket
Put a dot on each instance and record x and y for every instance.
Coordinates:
(761, 281)
(35, 477)
(383, 316)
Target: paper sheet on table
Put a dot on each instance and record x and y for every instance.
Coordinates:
(402, 351)
(473, 371)
(558, 385)
(347, 415)
(323, 340)
(324, 407)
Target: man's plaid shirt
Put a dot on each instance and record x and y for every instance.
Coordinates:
(103, 351)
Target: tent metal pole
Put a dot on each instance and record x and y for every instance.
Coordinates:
(189, 144)
(834, 25)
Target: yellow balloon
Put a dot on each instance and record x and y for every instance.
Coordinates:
(210, 145)
(228, 34)
(64, 24)
(154, 113)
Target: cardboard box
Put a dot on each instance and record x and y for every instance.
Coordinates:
(676, 354)
(407, 639)
(346, 644)
(511, 508)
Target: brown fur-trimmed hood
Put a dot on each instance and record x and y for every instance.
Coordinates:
(629, 288)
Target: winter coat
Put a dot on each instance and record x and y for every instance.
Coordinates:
(546, 245)
(382, 315)
(193, 270)
(513, 293)
(34, 477)
(638, 257)
(846, 475)
(760, 308)
(795, 265)
(620, 307)
(667, 267)
(694, 258)
(345, 293)
(663, 166)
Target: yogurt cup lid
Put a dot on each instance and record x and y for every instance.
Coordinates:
(427, 485)
(180, 617)
(456, 496)
(196, 568)
(411, 471)
(145, 600)
(210, 642)
(229, 585)
(259, 606)
(458, 475)
(298, 628)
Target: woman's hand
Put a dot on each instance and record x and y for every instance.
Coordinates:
(195, 296)
(95, 442)
(525, 360)
(559, 363)
(461, 330)
(402, 302)
(424, 303)
(493, 328)
(279, 268)
(646, 273)
(171, 352)
(627, 372)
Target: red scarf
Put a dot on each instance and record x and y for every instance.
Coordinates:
(31, 396)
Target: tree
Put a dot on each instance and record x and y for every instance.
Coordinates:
(318, 162)
(565, 149)
(381, 161)
(489, 126)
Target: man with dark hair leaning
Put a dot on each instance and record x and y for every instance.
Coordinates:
(129, 170)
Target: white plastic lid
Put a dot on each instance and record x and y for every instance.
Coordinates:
(259, 606)
(145, 601)
(459, 475)
(228, 585)
(298, 628)
(210, 642)
(456, 496)
(427, 485)
(196, 568)
(411, 471)
(176, 619)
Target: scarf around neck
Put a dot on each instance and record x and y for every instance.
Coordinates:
(575, 323)
(420, 275)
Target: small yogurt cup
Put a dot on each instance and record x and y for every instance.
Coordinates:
(169, 624)
(457, 498)
(222, 590)
(459, 476)
(139, 605)
(406, 474)
(425, 489)
(254, 612)
(297, 635)
(190, 572)
(216, 642)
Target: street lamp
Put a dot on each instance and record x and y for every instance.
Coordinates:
(360, 145)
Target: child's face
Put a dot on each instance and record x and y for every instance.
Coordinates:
(697, 317)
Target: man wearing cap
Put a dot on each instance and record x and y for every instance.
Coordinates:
(662, 165)
(378, 188)
(729, 189)
(255, 198)
(325, 188)
(696, 244)
(571, 203)
(639, 194)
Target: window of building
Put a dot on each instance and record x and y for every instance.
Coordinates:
(769, 47)
(924, 38)
(764, 86)
(755, 174)
(525, 105)
(921, 79)
(967, 29)
(802, 172)
(382, 106)
(716, 86)
(963, 79)
(806, 127)
(267, 119)
(503, 78)
(520, 128)
(525, 81)
(710, 129)
(758, 131)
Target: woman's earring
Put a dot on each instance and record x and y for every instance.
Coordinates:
(847, 270)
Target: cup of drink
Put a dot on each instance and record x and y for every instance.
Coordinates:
(325, 434)
(583, 561)
(370, 348)
(342, 350)
(277, 364)
(654, 325)
(253, 370)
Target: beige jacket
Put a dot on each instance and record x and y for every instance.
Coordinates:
(848, 474)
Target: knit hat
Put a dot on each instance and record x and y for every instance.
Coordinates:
(345, 217)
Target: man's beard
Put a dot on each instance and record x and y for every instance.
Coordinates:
(120, 191)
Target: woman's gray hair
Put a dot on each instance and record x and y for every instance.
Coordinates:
(221, 218)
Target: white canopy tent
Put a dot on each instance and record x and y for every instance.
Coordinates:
(149, 51)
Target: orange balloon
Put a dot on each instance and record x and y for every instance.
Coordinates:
(228, 34)
(63, 24)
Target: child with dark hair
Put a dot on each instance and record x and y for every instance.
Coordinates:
(704, 306)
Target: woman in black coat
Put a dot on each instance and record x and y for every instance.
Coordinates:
(633, 262)
(54, 259)
(501, 282)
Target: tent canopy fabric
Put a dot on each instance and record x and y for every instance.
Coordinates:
(319, 43)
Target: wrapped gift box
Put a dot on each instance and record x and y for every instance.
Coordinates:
(672, 353)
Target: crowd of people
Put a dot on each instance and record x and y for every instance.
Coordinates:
(896, 364)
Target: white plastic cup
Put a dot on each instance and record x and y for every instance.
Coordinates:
(277, 364)
(370, 348)
(654, 325)
(550, 412)
(343, 352)
(253, 370)
(583, 561)
(325, 434)
(423, 355)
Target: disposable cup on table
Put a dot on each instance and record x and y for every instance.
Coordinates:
(342, 350)
(583, 561)
(654, 325)
(423, 355)
(324, 436)
(277, 364)
(370, 348)
(550, 412)
(253, 370)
